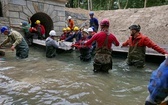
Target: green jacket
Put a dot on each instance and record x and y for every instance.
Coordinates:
(14, 38)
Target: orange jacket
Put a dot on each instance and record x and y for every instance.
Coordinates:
(143, 41)
(71, 24)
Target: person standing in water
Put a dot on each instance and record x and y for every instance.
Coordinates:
(104, 40)
(17, 41)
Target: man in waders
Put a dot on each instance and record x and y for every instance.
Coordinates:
(17, 41)
(51, 45)
(137, 43)
(104, 40)
(158, 85)
(85, 54)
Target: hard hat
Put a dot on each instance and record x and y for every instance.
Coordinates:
(76, 28)
(91, 13)
(3, 29)
(90, 29)
(85, 30)
(52, 33)
(23, 23)
(64, 29)
(69, 17)
(105, 22)
(68, 29)
(135, 27)
(37, 22)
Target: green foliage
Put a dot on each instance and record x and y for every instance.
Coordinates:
(114, 4)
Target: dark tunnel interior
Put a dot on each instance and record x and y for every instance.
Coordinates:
(45, 20)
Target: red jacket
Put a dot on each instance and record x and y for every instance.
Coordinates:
(100, 38)
(63, 36)
(42, 29)
(80, 43)
(143, 41)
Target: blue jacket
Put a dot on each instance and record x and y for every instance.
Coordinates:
(158, 85)
(77, 36)
(94, 23)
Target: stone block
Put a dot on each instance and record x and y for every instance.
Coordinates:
(59, 24)
(23, 16)
(55, 19)
(54, 2)
(27, 11)
(15, 21)
(14, 14)
(41, 6)
(18, 2)
(17, 8)
(30, 6)
(4, 19)
(61, 13)
(35, 6)
(59, 8)
(50, 10)
(62, 18)
(46, 7)
(53, 14)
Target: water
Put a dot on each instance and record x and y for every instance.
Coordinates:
(65, 80)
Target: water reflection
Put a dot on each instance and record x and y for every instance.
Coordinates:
(65, 80)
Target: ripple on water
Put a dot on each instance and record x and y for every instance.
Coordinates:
(6, 68)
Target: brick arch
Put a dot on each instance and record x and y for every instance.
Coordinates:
(45, 20)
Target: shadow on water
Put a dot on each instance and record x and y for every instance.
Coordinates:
(65, 80)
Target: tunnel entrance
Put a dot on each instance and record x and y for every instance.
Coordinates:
(45, 20)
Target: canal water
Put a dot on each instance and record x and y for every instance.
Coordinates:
(65, 80)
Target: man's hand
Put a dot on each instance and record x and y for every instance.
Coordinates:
(13, 48)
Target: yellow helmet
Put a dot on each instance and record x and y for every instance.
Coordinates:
(37, 22)
(76, 28)
(68, 29)
(64, 29)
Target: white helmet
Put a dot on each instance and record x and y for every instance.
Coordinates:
(90, 29)
(69, 17)
(85, 30)
(52, 33)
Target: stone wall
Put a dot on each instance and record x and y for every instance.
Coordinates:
(16, 11)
